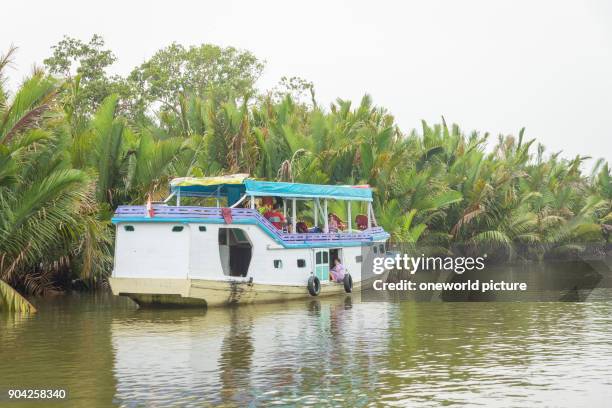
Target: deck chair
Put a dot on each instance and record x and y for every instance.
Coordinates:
(362, 222)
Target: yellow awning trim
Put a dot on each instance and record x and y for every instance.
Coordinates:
(209, 181)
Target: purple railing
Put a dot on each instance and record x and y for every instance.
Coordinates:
(238, 214)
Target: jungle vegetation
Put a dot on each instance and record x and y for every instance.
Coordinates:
(75, 142)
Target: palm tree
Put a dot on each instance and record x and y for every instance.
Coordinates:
(45, 205)
(12, 301)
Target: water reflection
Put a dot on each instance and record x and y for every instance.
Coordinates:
(341, 351)
(297, 351)
(64, 346)
(500, 354)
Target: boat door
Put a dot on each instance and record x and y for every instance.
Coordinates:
(322, 264)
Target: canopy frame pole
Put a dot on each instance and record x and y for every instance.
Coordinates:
(326, 216)
(178, 198)
(169, 197)
(349, 216)
(293, 216)
(370, 215)
(252, 202)
(320, 210)
(285, 208)
(374, 222)
(237, 203)
(316, 212)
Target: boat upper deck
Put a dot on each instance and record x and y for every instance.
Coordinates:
(246, 216)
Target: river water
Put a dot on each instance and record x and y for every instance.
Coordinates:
(104, 352)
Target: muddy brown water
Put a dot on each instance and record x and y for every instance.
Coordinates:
(104, 352)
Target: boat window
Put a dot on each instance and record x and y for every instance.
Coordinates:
(129, 228)
(381, 248)
(202, 228)
(239, 235)
(278, 263)
(358, 258)
(318, 261)
(375, 249)
(301, 263)
(325, 257)
(177, 228)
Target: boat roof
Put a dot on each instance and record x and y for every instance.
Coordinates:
(233, 184)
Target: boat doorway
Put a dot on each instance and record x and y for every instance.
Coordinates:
(235, 251)
(324, 262)
(333, 254)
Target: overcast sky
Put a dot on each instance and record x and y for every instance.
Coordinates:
(487, 65)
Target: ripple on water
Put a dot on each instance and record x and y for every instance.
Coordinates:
(330, 351)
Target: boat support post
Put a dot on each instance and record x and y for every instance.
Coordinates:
(293, 215)
(325, 215)
(348, 212)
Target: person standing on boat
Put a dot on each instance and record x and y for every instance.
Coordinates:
(338, 271)
(335, 224)
(332, 224)
(275, 216)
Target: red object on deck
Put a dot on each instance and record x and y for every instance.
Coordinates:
(150, 210)
(301, 227)
(362, 222)
(276, 218)
(227, 215)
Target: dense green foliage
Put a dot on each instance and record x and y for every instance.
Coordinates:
(50, 223)
(76, 144)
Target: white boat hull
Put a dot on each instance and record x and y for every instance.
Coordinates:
(210, 293)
